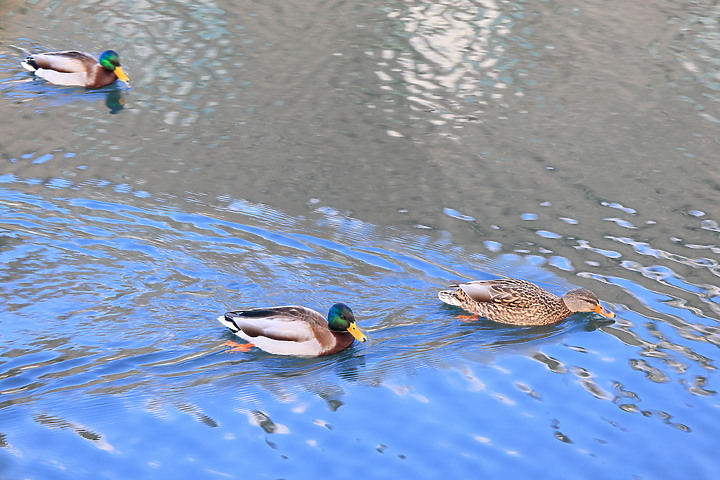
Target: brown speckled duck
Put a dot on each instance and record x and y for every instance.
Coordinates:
(74, 68)
(519, 302)
(295, 330)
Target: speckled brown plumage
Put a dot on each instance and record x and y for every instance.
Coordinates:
(519, 302)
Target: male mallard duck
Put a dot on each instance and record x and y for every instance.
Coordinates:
(73, 68)
(294, 330)
(520, 302)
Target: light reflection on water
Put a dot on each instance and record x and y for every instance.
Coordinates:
(462, 48)
(113, 303)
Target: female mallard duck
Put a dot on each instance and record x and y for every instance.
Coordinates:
(294, 330)
(520, 302)
(73, 68)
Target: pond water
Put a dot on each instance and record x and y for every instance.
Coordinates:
(270, 153)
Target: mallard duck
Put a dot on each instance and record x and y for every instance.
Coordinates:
(520, 302)
(295, 330)
(73, 68)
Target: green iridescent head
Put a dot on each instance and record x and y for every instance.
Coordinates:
(341, 319)
(110, 60)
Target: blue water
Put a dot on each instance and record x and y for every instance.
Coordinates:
(113, 365)
(275, 153)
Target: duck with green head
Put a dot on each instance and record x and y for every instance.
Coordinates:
(295, 330)
(519, 302)
(73, 68)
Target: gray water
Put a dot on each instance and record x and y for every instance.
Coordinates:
(278, 152)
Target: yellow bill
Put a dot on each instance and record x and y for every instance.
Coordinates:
(356, 332)
(121, 74)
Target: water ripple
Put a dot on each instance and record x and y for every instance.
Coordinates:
(113, 296)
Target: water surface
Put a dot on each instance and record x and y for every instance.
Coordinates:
(369, 153)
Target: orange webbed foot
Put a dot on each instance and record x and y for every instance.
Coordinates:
(468, 318)
(238, 347)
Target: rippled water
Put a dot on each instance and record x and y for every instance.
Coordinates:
(369, 153)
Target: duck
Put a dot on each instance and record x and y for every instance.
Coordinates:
(73, 68)
(520, 302)
(294, 330)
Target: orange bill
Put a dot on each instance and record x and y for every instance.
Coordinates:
(605, 313)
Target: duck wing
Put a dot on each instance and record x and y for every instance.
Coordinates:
(69, 68)
(506, 292)
(290, 330)
(288, 324)
(65, 62)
